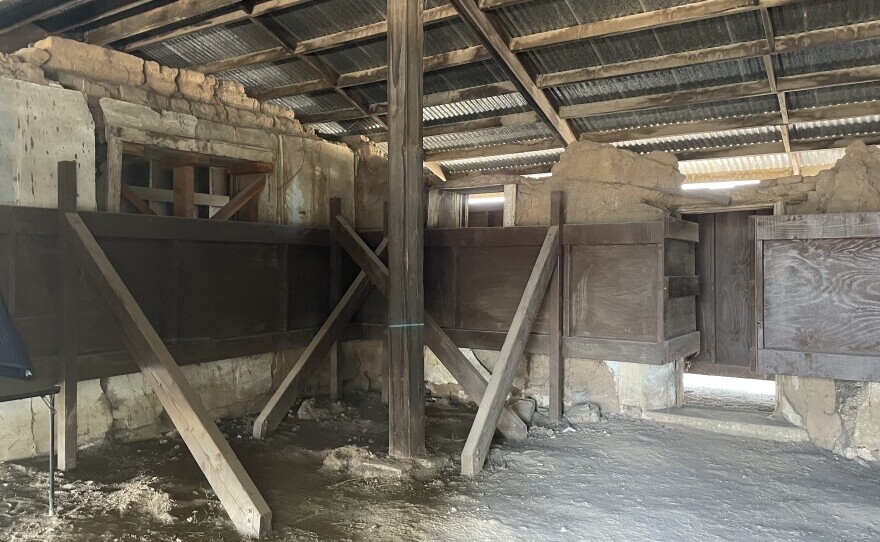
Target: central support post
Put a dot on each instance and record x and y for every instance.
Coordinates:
(406, 405)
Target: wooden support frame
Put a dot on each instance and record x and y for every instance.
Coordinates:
(328, 335)
(69, 273)
(406, 308)
(476, 447)
(136, 200)
(468, 377)
(556, 292)
(335, 355)
(246, 507)
(184, 178)
(237, 202)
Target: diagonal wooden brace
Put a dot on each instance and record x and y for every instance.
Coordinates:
(476, 448)
(319, 347)
(235, 489)
(468, 377)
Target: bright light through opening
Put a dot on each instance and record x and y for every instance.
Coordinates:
(720, 185)
(476, 202)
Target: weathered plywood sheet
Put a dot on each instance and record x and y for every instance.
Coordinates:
(227, 289)
(822, 295)
(734, 298)
(614, 291)
(492, 280)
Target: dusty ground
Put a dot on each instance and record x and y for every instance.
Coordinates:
(617, 480)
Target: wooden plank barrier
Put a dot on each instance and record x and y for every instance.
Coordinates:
(247, 509)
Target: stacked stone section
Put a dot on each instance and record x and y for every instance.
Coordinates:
(104, 73)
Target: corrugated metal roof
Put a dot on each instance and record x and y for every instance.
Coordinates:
(315, 18)
(210, 45)
(321, 18)
(742, 107)
(526, 159)
(487, 137)
(708, 140)
(816, 14)
(692, 77)
(314, 102)
(647, 44)
(439, 38)
(271, 75)
(835, 57)
(805, 99)
(836, 128)
(533, 17)
(470, 109)
(734, 164)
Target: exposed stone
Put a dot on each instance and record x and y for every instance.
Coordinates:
(196, 86)
(525, 409)
(232, 93)
(160, 79)
(212, 112)
(88, 87)
(92, 62)
(245, 117)
(32, 55)
(585, 413)
(276, 110)
(134, 95)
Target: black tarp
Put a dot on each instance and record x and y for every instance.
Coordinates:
(14, 362)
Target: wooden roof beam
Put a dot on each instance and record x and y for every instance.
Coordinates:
(493, 150)
(492, 39)
(705, 9)
(153, 19)
(274, 29)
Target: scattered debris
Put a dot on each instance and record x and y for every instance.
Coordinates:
(309, 410)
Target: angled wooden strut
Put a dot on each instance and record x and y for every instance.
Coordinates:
(470, 379)
(235, 489)
(319, 347)
(477, 445)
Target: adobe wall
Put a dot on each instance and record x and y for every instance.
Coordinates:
(64, 100)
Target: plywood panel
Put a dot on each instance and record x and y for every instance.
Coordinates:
(614, 290)
(734, 304)
(227, 289)
(492, 284)
(680, 316)
(308, 276)
(822, 295)
(705, 269)
(440, 284)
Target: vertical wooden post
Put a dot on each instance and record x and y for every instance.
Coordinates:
(335, 293)
(406, 409)
(67, 331)
(184, 191)
(386, 345)
(557, 302)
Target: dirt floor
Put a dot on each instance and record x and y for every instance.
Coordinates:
(616, 480)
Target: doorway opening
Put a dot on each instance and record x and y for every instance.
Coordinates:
(750, 394)
(722, 374)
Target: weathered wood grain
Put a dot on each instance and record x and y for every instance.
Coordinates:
(476, 446)
(822, 295)
(249, 512)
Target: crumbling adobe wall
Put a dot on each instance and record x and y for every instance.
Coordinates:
(838, 415)
(58, 98)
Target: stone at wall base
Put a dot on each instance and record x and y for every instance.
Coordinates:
(585, 413)
(525, 409)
